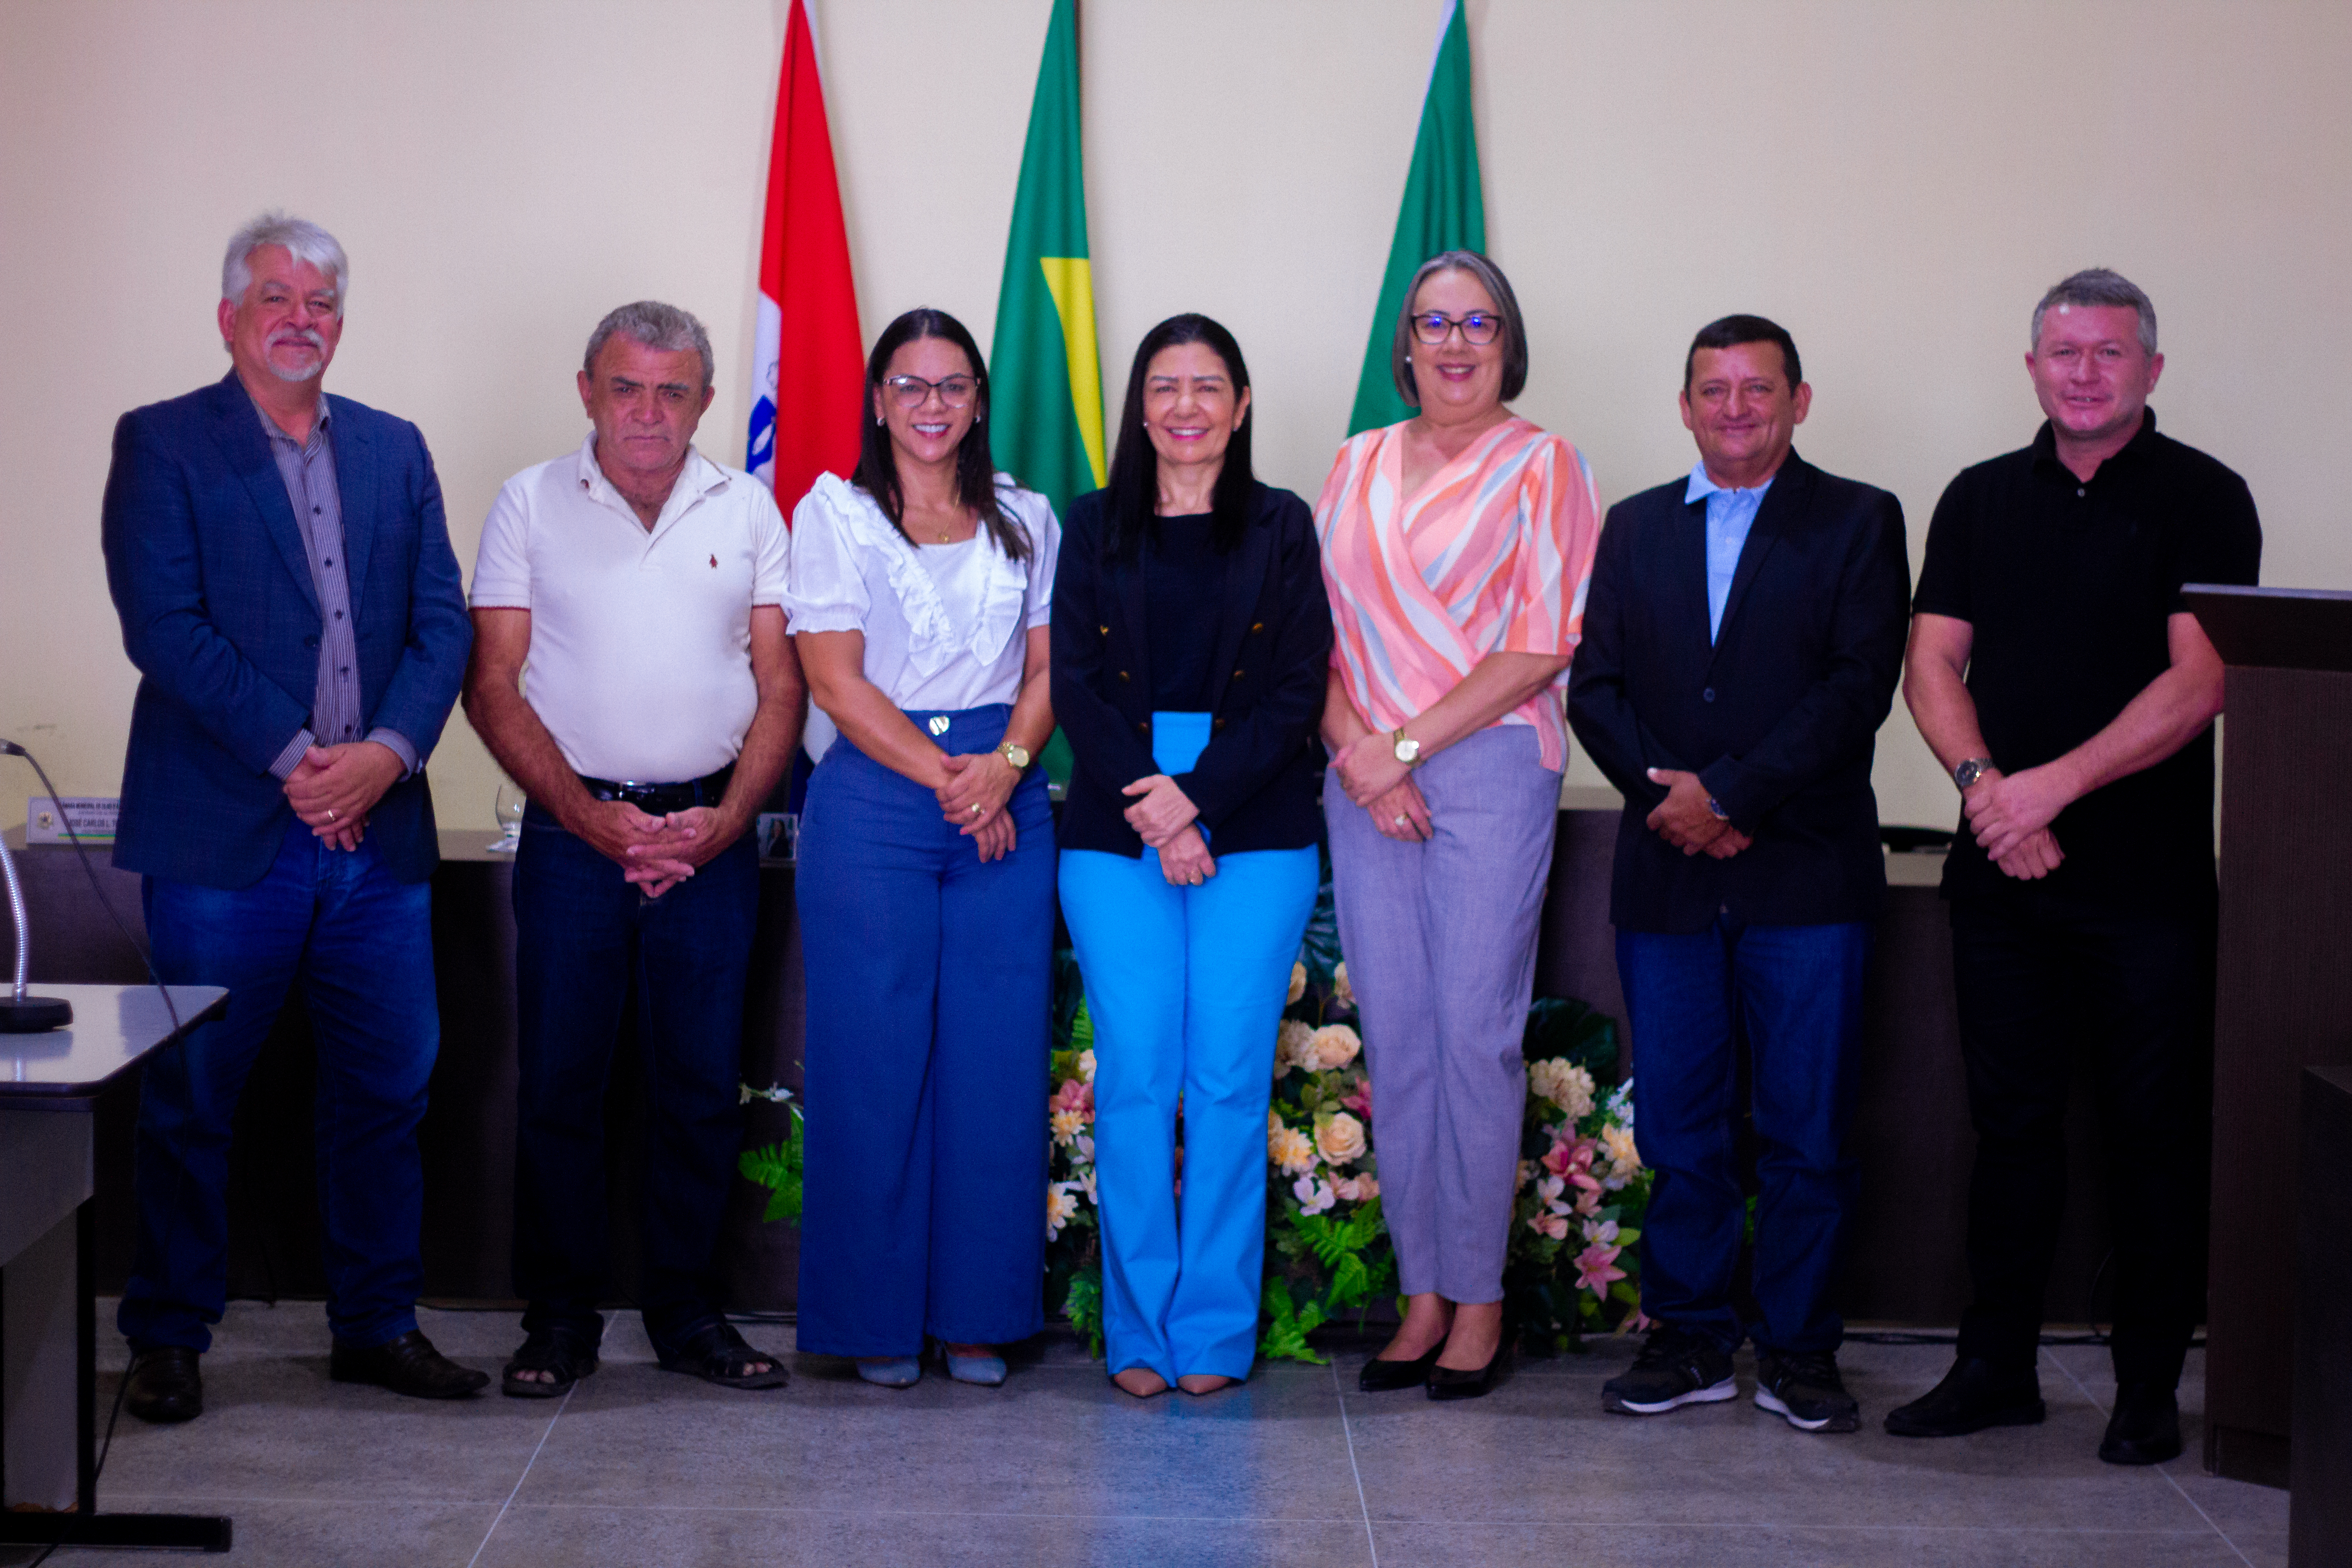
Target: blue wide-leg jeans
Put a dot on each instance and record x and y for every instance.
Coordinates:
(360, 944)
(1796, 991)
(930, 976)
(583, 937)
(1186, 987)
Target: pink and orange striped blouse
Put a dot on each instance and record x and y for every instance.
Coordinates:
(1493, 556)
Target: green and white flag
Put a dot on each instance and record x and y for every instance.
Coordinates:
(1044, 369)
(1443, 210)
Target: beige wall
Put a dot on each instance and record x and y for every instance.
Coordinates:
(1895, 183)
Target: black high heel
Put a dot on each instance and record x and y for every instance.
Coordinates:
(1386, 1376)
(1453, 1382)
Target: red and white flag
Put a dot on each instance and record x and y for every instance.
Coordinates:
(808, 369)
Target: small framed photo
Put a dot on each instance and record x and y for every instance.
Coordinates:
(779, 834)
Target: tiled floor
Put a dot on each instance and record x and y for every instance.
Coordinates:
(640, 1466)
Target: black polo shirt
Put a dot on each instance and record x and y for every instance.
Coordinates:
(2068, 586)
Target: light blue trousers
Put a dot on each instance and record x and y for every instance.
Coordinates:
(1186, 987)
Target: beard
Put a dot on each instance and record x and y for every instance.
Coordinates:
(310, 372)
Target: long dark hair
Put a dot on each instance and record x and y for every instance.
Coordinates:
(1131, 501)
(877, 464)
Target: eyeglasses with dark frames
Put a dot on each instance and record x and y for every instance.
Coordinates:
(913, 391)
(1479, 327)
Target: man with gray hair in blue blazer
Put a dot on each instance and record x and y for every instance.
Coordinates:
(287, 590)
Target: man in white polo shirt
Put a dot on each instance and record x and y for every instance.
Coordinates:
(637, 586)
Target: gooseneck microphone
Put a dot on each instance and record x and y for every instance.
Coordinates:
(21, 1013)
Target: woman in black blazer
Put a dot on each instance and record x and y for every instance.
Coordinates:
(1191, 644)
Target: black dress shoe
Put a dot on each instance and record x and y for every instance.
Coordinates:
(1449, 1383)
(1386, 1376)
(165, 1385)
(1974, 1394)
(409, 1365)
(2145, 1428)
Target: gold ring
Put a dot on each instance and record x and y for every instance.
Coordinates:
(331, 814)
(1400, 822)
(975, 808)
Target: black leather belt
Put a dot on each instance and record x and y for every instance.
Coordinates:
(660, 799)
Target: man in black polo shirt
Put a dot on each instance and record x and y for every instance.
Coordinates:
(2056, 671)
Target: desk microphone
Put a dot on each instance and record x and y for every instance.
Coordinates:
(20, 1014)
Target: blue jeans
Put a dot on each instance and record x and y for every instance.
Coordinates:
(1185, 986)
(361, 945)
(581, 936)
(1795, 992)
(928, 979)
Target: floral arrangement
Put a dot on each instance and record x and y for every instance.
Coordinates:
(1572, 1266)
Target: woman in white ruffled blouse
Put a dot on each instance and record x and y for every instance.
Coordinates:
(919, 596)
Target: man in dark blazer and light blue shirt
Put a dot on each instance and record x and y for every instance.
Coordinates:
(287, 590)
(1742, 639)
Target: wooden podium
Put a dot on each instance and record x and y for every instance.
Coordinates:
(2284, 999)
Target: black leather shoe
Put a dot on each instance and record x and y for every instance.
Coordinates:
(1974, 1394)
(165, 1385)
(1386, 1376)
(409, 1365)
(1449, 1383)
(2145, 1428)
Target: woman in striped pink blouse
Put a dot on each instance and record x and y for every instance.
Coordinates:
(1456, 547)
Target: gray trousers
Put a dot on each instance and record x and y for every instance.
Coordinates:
(1440, 940)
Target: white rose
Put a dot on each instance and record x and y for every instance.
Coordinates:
(1290, 1047)
(1341, 1139)
(1332, 1046)
(1343, 993)
(1297, 983)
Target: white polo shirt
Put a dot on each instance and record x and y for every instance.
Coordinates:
(640, 662)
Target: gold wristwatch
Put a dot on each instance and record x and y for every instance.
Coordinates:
(1407, 749)
(1018, 755)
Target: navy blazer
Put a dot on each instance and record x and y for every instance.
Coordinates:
(210, 577)
(1779, 718)
(1258, 783)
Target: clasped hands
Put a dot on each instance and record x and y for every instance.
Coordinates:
(1372, 776)
(656, 853)
(972, 789)
(1166, 818)
(1683, 820)
(334, 788)
(2010, 816)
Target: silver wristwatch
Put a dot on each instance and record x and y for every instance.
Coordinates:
(1970, 770)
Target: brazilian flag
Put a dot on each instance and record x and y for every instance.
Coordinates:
(1443, 209)
(1044, 366)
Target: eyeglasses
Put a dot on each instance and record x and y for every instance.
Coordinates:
(1479, 327)
(913, 391)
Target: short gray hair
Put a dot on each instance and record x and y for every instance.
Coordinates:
(1506, 304)
(303, 240)
(663, 328)
(2098, 285)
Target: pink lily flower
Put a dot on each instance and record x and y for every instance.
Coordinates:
(1596, 1268)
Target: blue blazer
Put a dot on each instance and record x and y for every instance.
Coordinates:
(1258, 783)
(1779, 717)
(210, 578)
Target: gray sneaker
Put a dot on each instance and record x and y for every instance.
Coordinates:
(1676, 1367)
(1805, 1387)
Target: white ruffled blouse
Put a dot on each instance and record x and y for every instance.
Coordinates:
(928, 647)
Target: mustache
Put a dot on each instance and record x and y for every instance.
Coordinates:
(310, 336)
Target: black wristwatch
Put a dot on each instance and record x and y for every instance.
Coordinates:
(1715, 806)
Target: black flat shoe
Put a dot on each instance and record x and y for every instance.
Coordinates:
(1387, 1376)
(408, 1365)
(2145, 1428)
(165, 1386)
(1447, 1383)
